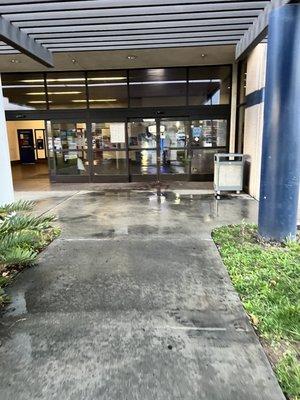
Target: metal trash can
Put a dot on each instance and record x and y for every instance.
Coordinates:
(228, 173)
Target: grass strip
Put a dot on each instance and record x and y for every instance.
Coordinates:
(267, 277)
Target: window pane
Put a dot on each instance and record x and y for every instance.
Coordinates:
(71, 163)
(174, 162)
(23, 91)
(110, 162)
(143, 162)
(173, 134)
(66, 90)
(209, 85)
(67, 135)
(209, 133)
(203, 160)
(219, 132)
(108, 89)
(108, 135)
(157, 87)
(201, 133)
(142, 134)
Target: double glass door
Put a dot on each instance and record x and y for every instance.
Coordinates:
(158, 147)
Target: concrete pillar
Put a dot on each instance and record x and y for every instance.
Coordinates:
(6, 184)
(280, 172)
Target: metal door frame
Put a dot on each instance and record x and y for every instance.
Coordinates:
(159, 176)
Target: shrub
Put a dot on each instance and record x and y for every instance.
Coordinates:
(22, 237)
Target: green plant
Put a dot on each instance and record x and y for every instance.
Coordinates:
(22, 236)
(18, 206)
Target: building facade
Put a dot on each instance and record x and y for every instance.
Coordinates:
(122, 125)
(128, 91)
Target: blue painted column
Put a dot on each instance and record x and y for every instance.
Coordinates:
(280, 170)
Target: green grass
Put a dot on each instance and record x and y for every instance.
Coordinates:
(267, 278)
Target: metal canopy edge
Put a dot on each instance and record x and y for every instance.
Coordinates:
(258, 31)
(19, 40)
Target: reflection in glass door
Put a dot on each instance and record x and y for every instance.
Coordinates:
(207, 138)
(174, 141)
(142, 148)
(67, 146)
(109, 150)
(158, 148)
(152, 149)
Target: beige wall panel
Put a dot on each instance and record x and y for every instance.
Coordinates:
(252, 146)
(12, 127)
(256, 70)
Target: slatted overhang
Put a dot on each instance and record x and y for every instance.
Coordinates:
(64, 26)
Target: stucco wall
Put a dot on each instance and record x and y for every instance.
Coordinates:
(253, 128)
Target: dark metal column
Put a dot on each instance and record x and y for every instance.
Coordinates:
(280, 171)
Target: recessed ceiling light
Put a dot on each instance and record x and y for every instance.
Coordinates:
(14, 61)
(203, 55)
(131, 57)
(53, 80)
(93, 100)
(42, 93)
(113, 78)
(38, 102)
(110, 78)
(74, 61)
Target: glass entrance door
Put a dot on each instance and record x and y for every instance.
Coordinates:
(174, 148)
(109, 152)
(143, 149)
(207, 138)
(68, 151)
(140, 149)
(158, 149)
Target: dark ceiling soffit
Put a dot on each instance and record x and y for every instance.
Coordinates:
(258, 31)
(19, 40)
(217, 111)
(134, 47)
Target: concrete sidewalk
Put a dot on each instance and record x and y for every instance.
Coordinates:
(132, 302)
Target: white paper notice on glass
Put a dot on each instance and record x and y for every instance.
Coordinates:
(117, 132)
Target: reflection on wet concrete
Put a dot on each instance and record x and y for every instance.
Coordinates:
(133, 302)
(113, 214)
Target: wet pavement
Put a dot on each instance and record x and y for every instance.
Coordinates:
(132, 302)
